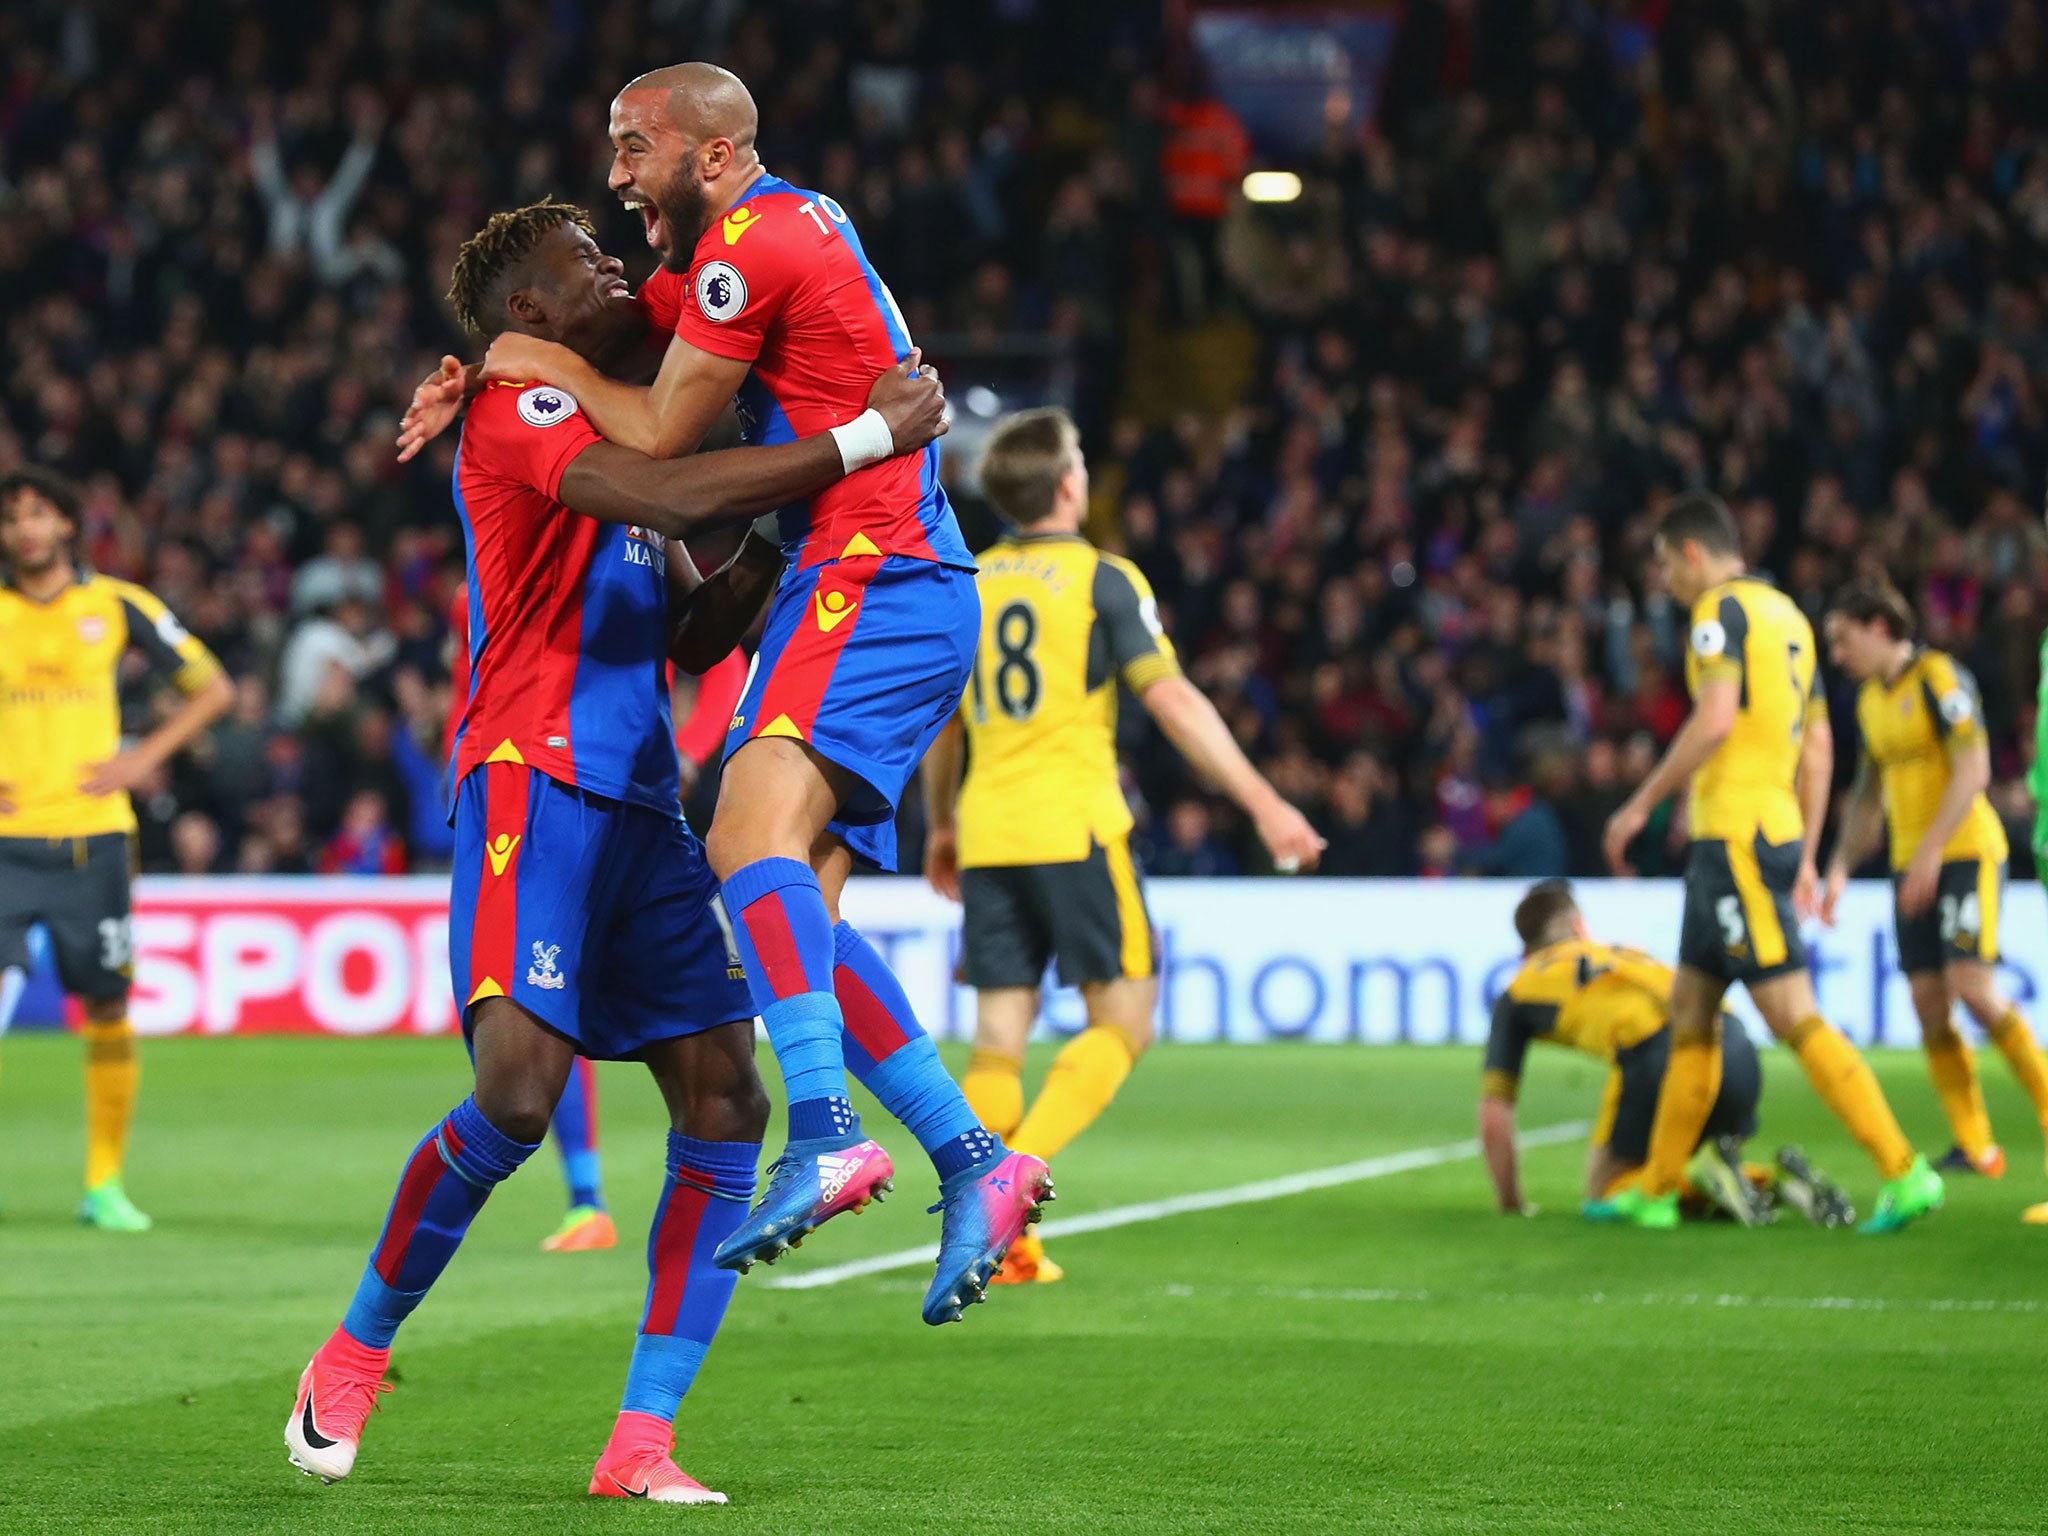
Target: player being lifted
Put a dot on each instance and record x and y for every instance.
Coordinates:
(1921, 779)
(869, 639)
(584, 919)
(67, 826)
(1036, 844)
(1614, 1004)
(1759, 753)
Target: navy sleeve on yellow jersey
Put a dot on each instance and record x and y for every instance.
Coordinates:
(1128, 639)
(1950, 693)
(1720, 640)
(1513, 1026)
(173, 651)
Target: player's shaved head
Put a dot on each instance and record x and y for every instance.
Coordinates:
(702, 101)
(682, 152)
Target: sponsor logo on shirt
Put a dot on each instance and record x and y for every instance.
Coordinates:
(833, 607)
(738, 222)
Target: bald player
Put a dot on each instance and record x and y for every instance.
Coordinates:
(870, 637)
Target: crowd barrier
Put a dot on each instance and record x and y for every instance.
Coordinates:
(1334, 961)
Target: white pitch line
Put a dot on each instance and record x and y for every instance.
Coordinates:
(1702, 1299)
(1203, 1200)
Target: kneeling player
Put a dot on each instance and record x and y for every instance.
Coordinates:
(1613, 1003)
(1926, 762)
(584, 919)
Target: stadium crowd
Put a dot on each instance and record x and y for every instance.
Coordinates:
(1794, 254)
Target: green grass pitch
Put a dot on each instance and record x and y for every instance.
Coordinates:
(1384, 1356)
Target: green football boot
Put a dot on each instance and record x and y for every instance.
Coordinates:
(1911, 1195)
(1659, 1212)
(108, 1208)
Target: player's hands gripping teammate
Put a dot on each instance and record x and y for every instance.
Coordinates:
(912, 401)
(435, 405)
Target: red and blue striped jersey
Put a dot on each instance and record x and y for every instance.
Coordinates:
(568, 616)
(781, 282)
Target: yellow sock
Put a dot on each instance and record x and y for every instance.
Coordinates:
(2022, 1052)
(111, 1074)
(1953, 1066)
(1692, 1081)
(994, 1086)
(1847, 1086)
(1084, 1078)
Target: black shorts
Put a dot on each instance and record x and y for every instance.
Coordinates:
(1090, 916)
(1631, 1107)
(77, 887)
(1961, 925)
(1738, 923)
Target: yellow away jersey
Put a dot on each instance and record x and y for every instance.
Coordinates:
(1750, 633)
(1060, 622)
(60, 711)
(1596, 998)
(1910, 726)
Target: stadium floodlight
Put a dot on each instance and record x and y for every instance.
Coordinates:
(1272, 187)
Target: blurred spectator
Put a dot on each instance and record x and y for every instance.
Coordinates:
(1192, 846)
(195, 844)
(1397, 518)
(365, 843)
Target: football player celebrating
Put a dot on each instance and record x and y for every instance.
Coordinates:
(584, 919)
(869, 640)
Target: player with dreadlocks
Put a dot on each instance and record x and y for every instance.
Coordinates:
(584, 919)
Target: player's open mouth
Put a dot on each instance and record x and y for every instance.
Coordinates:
(651, 217)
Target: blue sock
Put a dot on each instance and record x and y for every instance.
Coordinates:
(785, 940)
(575, 1127)
(889, 1051)
(703, 1201)
(445, 1183)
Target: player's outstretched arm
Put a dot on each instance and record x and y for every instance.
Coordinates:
(675, 497)
(664, 420)
(941, 808)
(709, 621)
(1712, 718)
(1198, 732)
(436, 403)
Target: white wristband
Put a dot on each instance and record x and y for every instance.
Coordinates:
(863, 441)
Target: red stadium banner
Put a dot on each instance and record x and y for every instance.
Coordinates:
(336, 956)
